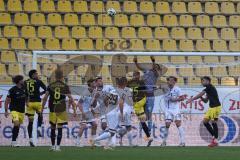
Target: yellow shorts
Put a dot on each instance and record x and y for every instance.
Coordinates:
(58, 118)
(213, 113)
(139, 106)
(34, 107)
(17, 116)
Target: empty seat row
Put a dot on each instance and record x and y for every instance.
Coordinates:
(120, 20)
(161, 7)
(120, 44)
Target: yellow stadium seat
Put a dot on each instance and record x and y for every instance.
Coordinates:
(146, 7)
(112, 32)
(194, 59)
(178, 59)
(64, 6)
(227, 59)
(3, 71)
(48, 69)
(186, 45)
(219, 21)
(203, 21)
(136, 45)
(86, 44)
(104, 20)
(35, 44)
(95, 32)
(30, 6)
(101, 44)
(44, 32)
(8, 57)
(194, 81)
(87, 19)
(69, 44)
(194, 7)
(61, 32)
(219, 71)
(4, 43)
(119, 45)
(227, 33)
(6, 80)
(227, 8)
(2, 5)
(238, 33)
(54, 19)
(97, 6)
(234, 45)
(14, 5)
(171, 71)
(211, 8)
(162, 7)
(179, 7)
(10, 31)
(152, 45)
(121, 20)
(162, 59)
(194, 33)
(18, 43)
(234, 21)
(136, 20)
(178, 33)
(186, 21)
(219, 45)
(47, 6)
(170, 20)
(80, 6)
(21, 19)
(228, 81)
(28, 32)
(130, 6)
(71, 19)
(145, 32)
(161, 33)
(154, 20)
(234, 70)
(203, 71)
(113, 4)
(211, 33)
(203, 45)
(15, 69)
(238, 7)
(118, 71)
(0, 32)
(211, 59)
(38, 19)
(169, 45)
(128, 32)
(187, 71)
(52, 44)
(5, 18)
(78, 32)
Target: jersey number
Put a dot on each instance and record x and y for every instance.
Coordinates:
(30, 86)
(57, 93)
(113, 99)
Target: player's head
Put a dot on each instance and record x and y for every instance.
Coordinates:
(122, 82)
(18, 79)
(99, 82)
(33, 74)
(136, 75)
(171, 81)
(91, 84)
(205, 80)
(59, 74)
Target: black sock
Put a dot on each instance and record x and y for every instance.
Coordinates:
(30, 128)
(215, 129)
(209, 128)
(53, 136)
(145, 129)
(59, 136)
(40, 119)
(15, 132)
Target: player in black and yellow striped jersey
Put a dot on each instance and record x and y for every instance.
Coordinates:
(15, 101)
(33, 87)
(58, 116)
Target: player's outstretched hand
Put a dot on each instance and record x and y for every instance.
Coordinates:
(152, 58)
(183, 97)
(6, 114)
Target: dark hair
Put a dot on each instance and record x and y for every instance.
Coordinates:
(58, 73)
(90, 81)
(31, 73)
(121, 80)
(206, 78)
(173, 77)
(16, 79)
(136, 72)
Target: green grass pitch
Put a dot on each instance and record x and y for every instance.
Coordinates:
(121, 153)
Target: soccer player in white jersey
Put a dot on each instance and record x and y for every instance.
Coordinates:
(86, 104)
(172, 100)
(125, 124)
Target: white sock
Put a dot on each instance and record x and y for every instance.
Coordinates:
(78, 139)
(113, 140)
(129, 136)
(103, 136)
(181, 134)
(31, 139)
(166, 134)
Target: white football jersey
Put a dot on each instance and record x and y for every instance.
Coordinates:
(172, 93)
(126, 95)
(86, 101)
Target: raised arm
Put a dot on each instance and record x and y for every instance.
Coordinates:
(44, 100)
(137, 65)
(43, 86)
(196, 97)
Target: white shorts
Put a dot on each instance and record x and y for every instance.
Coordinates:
(172, 115)
(127, 111)
(89, 118)
(112, 120)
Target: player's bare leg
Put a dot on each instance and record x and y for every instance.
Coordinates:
(145, 129)
(39, 124)
(53, 137)
(30, 129)
(59, 138)
(180, 133)
(15, 132)
(83, 126)
(167, 125)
